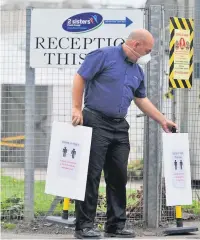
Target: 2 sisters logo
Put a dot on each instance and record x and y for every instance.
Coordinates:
(83, 22)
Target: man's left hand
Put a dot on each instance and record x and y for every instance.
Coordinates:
(167, 125)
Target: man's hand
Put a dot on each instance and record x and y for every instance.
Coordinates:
(77, 117)
(167, 125)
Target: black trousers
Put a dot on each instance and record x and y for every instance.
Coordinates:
(109, 152)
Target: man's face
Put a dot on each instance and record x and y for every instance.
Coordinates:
(141, 48)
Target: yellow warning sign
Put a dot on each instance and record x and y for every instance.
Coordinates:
(181, 52)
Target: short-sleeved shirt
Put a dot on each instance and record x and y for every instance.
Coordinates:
(111, 81)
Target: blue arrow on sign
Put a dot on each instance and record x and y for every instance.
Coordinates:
(127, 22)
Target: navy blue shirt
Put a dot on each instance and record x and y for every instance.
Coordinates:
(111, 82)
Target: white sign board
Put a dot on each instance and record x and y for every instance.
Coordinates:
(68, 160)
(177, 169)
(62, 37)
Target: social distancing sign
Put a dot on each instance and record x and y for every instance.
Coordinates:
(181, 52)
(68, 160)
(177, 174)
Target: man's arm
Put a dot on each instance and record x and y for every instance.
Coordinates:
(93, 64)
(145, 105)
(77, 97)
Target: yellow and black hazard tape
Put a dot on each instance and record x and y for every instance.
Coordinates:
(12, 145)
(182, 24)
(8, 141)
(13, 138)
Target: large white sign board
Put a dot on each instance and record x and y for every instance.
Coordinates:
(62, 37)
(68, 160)
(177, 169)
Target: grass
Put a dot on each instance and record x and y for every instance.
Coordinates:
(9, 226)
(194, 208)
(13, 187)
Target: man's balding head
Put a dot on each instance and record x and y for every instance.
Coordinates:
(140, 41)
(141, 35)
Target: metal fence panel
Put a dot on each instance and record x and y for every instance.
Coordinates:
(52, 102)
(183, 107)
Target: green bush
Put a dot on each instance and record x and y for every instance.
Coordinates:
(135, 169)
(135, 165)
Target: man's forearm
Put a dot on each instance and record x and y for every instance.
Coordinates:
(149, 109)
(77, 91)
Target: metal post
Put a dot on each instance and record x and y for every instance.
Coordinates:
(197, 32)
(152, 160)
(29, 128)
(184, 97)
(194, 107)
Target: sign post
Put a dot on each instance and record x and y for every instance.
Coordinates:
(67, 166)
(177, 177)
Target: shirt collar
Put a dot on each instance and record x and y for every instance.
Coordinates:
(123, 54)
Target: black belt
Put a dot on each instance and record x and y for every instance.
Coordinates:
(99, 114)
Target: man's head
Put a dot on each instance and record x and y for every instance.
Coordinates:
(139, 43)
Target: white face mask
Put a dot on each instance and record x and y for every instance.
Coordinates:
(143, 59)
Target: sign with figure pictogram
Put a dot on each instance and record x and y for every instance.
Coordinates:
(178, 169)
(177, 173)
(68, 160)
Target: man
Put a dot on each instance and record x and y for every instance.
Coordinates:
(111, 78)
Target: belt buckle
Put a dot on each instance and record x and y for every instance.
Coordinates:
(117, 120)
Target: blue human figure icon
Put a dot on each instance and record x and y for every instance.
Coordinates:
(64, 152)
(73, 152)
(181, 164)
(175, 164)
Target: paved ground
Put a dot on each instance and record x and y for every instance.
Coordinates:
(143, 234)
(47, 236)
